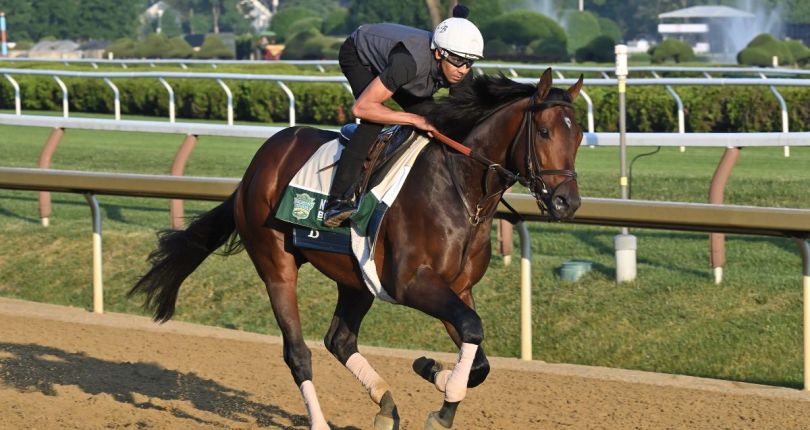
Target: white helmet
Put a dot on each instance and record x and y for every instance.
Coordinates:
(460, 37)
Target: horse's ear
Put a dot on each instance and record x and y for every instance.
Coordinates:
(574, 90)
(544, 86)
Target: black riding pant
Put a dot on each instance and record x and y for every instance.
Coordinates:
(351, 160)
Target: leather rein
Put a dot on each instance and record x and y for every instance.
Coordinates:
(534, 180)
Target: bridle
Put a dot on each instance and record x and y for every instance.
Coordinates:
(534, 171)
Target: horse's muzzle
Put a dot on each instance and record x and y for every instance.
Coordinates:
(562, 204)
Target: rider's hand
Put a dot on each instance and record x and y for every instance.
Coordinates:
(422, 123)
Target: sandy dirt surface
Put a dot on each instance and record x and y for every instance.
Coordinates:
(65, 368)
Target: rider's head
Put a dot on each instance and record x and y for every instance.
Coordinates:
(457, 43)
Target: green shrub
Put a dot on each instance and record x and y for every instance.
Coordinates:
(179, 48)
(497, 48)
(123, 48)
(521, 28)
(310, 44)
(800, 51)
(610, 29)
(650, 109)
(545, 51)
(672, 49)
(336, 23)
(156, 45)
(598, 50)
(283, 22)
(755, 57)
(765, 45)
(582, 28)
(213, 47)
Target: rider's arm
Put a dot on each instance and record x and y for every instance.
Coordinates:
(369, 106)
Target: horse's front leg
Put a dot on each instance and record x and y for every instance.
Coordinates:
(341, 341)
(431, 295)
(434, 372)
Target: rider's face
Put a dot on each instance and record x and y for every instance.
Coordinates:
(455, 68)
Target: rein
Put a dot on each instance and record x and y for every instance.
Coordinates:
(535, 178)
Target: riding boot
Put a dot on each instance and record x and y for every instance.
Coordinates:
(340, 204)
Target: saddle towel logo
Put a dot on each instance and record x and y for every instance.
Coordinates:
(302, 206)
(305, 197)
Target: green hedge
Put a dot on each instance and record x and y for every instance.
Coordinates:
(650, 109)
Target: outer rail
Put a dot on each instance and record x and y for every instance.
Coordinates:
(793, 223)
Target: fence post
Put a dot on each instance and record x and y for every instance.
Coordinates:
(171, 98)
(783, 107)
(45, 163)
(17, 98)
(292, 101)
(717, 247)
(117, 98)
(525, 292)
(65, 108)
(179, 164)
(98, 286)
(624, 244)
(230, 100)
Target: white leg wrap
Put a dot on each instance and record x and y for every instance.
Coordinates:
(316, 419)
(440, 380)
(456, 387)
(362, 370)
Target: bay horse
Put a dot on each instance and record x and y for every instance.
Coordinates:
(433, 244)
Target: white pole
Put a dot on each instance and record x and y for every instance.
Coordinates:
(525, 292)
(98, 286)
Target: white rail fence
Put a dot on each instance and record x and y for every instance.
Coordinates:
(281, 80)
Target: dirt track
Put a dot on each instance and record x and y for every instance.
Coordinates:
(66, 368)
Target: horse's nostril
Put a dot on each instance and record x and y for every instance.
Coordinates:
(559, 203)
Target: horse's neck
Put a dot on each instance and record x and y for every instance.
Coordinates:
(492, 138)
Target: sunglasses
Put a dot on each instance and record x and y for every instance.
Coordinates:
(457, 60)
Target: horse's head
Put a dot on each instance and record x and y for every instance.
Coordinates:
(546, 146)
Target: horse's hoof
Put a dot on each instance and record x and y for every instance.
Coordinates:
(382, 422)
(427, 368)
(433, 422)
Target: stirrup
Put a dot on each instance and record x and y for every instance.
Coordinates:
(342, 210)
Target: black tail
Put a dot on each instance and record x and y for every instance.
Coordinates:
(180, 252)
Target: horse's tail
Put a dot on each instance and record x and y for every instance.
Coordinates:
(180, 252)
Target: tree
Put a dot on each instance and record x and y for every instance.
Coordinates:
(412, 13)
(74, 19)
(521, 27)
(284, 21)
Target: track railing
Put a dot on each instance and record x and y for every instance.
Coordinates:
(791, 223)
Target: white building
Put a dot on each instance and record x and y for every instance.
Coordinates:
(703, 27)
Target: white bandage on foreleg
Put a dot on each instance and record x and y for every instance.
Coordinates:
(362, 370)
(440, 380)
(456, 387)
(316, 419)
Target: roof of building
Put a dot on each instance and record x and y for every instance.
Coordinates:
(707, 12)
(55, 45)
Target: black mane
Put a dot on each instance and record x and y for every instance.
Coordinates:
(457, 114)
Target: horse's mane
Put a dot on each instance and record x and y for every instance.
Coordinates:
(457, 114)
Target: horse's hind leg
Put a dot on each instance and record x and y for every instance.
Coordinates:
(341, 341)
(279, 271)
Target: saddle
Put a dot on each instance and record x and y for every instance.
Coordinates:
(390, 144)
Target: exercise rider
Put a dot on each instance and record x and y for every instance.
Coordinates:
(391, 61)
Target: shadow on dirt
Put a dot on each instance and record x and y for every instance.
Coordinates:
(28, 367)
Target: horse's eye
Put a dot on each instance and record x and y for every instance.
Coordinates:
(543, 132)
